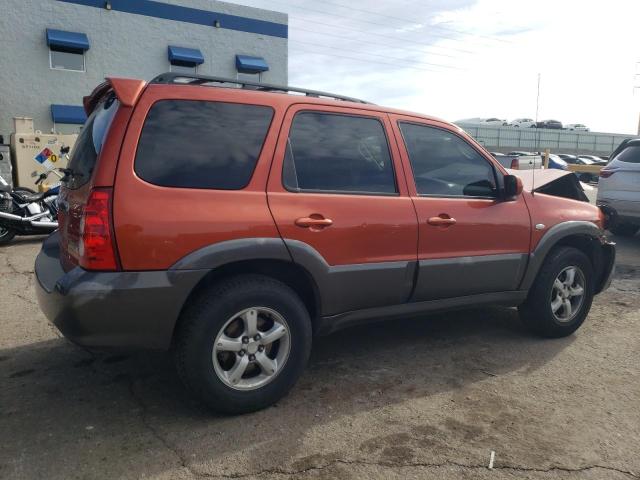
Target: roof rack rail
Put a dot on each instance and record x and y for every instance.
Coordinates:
(194, 79)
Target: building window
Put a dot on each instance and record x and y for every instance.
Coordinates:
(66, 50)
(249, 77)
(59, 60)
(190, 70)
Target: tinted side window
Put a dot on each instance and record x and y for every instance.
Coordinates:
(338, 153)
(630, 154)
(445, 165)
(201, 144)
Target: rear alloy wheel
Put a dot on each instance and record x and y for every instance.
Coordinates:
(251, 348)
(242, 344)
(561, 296)
(624, 229)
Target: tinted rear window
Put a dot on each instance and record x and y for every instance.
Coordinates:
(630, 154)
(201, 144)
(89, 143)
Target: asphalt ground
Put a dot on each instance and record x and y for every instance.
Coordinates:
(413, 399)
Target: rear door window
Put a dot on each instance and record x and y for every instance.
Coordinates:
(201, 144)
(85, 151)
(338, 153)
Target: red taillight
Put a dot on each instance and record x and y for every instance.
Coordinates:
(515, 164)
(604, 173)
(97, 250)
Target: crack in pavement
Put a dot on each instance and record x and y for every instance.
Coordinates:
(283, 472)
(14, 270)
(23, 298)
(157, 435)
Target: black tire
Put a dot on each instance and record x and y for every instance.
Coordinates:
(6, 235)
(536, 312)
(201, 322)
(624, 229)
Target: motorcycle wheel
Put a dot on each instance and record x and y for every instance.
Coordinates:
(6, 235)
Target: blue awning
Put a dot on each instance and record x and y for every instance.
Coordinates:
(189, 57)
(68, 114)
(247, 64)
(72, 41)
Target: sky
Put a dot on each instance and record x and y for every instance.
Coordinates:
(458, 59)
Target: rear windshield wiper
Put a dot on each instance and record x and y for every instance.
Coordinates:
(69, 173)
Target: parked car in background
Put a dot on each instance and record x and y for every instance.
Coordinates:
(285, 217)
(577, 126)
(555, 124)
(523, 123)
(507, 161)
(519, 153)
(594, 158)
(575, 160)
(520, 160)
(556, 162)
(619, 188)
(493, 121)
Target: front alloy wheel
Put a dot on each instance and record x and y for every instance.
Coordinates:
(560, 297)
(567, 294)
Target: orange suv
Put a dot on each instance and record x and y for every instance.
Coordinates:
(232, 225)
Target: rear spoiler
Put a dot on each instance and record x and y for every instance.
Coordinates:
(127, 90)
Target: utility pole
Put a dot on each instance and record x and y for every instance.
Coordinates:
(538, 99)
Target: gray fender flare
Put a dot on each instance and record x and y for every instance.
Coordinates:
(218, 254)
(550, 239)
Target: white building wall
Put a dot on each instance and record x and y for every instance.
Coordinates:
(122, 44)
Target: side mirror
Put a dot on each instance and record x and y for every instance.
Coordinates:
(512, 186)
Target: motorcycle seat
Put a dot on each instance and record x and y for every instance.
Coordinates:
(28, 197)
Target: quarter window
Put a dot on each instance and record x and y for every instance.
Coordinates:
(444, 164)
(201, 144)
(338, 153)
(630, 154)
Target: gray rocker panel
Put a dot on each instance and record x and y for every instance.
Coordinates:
(461, 276)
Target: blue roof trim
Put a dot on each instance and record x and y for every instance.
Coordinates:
(68, 114)
(67, 40)
(185, 56)
(196, 16)
(247, 64)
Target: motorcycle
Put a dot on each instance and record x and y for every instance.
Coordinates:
(24, 212)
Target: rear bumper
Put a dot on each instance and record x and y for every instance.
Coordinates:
(111, 309)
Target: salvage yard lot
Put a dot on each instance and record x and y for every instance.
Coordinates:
(425, 398)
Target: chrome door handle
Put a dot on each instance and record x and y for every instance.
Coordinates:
(442, 221)
(314, 222)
